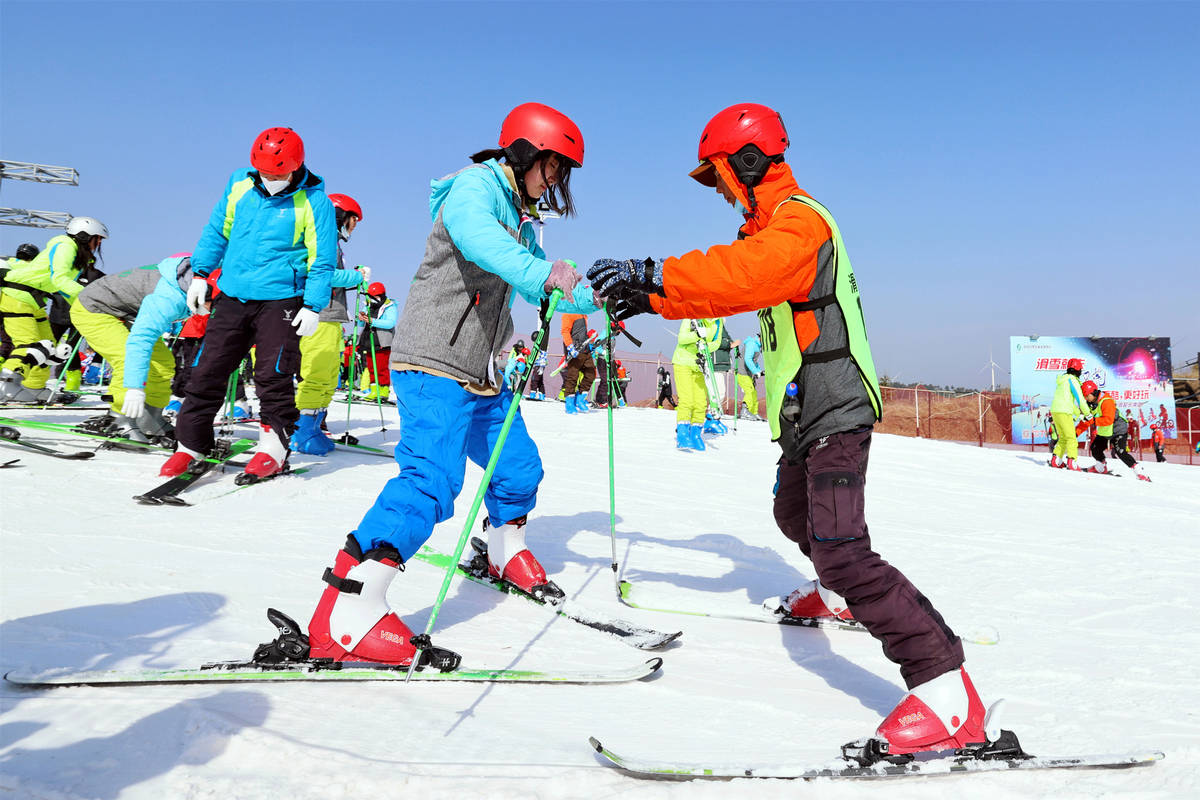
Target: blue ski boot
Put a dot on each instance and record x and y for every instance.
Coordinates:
(714, 427)
(683, 436)
(694, 435)
(570, 403)
(308, 437)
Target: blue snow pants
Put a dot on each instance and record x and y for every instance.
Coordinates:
(441, 426)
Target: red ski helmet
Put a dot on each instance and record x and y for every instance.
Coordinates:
(756, 129)
(277, 151)
(543, 128)
(376, 289)
(1089, 387)
(1075, 364)
(346, 203)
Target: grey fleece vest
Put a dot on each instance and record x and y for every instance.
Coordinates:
(456, 316)
(832, 396)
(336, 310)
(121, 294)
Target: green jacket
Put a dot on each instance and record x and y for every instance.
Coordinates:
(1068, 397)
(52, 272)
(687, 345)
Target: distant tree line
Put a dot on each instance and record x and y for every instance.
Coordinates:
(933, 387)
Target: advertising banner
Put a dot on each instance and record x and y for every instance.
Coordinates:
(1136, 371)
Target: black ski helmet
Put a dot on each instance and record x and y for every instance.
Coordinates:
(520, 345)
(27, 251)
(662, 371)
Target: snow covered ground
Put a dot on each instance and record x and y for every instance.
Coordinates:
(1090, 580)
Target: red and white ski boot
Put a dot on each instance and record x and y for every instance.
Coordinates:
(1071, 465)
(1054, 462)
(510, 560)
(268, 460)
(1099, 469)
(179, 462)
(815, 600)
(353, 621)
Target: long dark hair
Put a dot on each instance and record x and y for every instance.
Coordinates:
(85, 257)
(558, 196)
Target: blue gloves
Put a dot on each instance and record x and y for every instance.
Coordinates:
(572, 351)
(612, 278)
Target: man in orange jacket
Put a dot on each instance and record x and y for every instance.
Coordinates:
(790, 265)
(578, 356)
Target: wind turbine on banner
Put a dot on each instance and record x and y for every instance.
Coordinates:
(991, 363)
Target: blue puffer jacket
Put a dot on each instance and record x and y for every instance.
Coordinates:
(271, 247)
(159, 312)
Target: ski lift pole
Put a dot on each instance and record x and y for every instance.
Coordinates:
(422, 641)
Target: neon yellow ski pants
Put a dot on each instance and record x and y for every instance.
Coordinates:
(107, 335)
(1067, 443)
(693, 395)
(320, 360)
(27, 325)
(749, 392)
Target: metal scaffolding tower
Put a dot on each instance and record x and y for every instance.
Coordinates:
(38, 173)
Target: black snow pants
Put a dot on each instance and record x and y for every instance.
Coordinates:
(1100, 444)
(819, 505)
(234, 327)
(537, 382)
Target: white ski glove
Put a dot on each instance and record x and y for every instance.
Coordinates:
(366, 273)
(306, 322)
(196, 294)
(135, 403)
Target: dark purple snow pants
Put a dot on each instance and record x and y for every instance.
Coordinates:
(819, 505)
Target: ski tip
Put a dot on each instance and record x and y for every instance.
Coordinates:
(147, 501)
(595, 743)
(653, 665)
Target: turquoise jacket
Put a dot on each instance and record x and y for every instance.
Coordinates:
(159, 312)
(271, 247)
(752, 349)
(472, 201)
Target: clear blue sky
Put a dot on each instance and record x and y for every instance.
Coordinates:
(996, 168)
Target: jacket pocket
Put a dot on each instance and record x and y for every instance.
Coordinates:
(474, 301)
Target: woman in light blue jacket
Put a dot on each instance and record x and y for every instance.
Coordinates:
(481, 253)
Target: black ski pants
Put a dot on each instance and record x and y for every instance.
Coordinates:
(819, 505)
(665, 396)
(602, 381)
(537, 381)
(235, 326)
(1100, 444)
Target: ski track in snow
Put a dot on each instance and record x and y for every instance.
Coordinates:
(1090, 581)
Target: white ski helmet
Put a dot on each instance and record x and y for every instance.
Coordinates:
(88, 225)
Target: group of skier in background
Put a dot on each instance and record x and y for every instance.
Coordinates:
(1081, 406)
(267, 280)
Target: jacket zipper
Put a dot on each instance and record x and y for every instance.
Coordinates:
(474, 301)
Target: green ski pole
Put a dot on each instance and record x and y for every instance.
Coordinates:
(737, 361)
(375, 384)
(612, 475)
(358, 293)
(422, 641)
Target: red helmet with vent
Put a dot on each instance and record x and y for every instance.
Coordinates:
(546, 129)
(376, 289)
(277, 151)
(346, 203)
(1075, 364)
(734, 128)
(1089, 387)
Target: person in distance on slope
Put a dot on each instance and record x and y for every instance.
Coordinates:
(375, 340)
(691, 411)
(482, 250)
(537, 379)
(56, 270)
(751, 354)
(516, 365)
(1109, 426)
(789, 264)
(1158, 440)
(25, 253)
(722, 361)
(581, 369)
(1068, 406)
(320, 353)
(123, 316)
(273, 232)
(665, 393)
